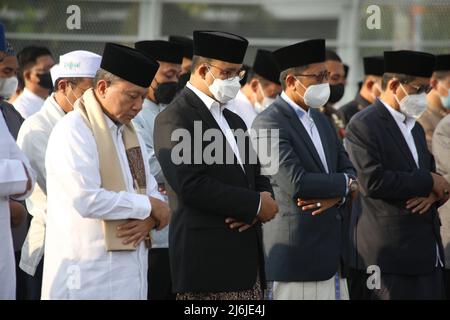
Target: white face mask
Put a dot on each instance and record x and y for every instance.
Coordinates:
(446, 100)
(8, 86)
(261, 106)
(412, 105)
(224, 90)
(316, 95)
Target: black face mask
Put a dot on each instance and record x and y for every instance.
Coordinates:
(336, 92)
(45, 81)
(165, 92)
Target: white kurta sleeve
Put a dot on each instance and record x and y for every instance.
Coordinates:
(13, 178)
(72, 167)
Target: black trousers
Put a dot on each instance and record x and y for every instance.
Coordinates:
(28, 287)
(447, 283)
(357, 284)
(159, 279)
(406, 287)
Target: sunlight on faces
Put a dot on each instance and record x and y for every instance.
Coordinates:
(443, 85)
(269, 89)
(9, 67)
(74, 91)
(122, 100)
(410, 87)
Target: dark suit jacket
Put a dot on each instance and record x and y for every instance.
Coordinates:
(348, 110)
(205, 255)
(384, 232)
(299, 246)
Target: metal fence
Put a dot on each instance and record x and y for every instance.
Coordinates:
(350, 26)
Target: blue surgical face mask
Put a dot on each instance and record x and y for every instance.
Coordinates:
(446, 100)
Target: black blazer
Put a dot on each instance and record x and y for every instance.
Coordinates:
(205, 255)
(299, 246)
(383, 231)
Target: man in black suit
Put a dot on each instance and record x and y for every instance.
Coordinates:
(304, 243)
(395, 226)
(215, 241)
(370, 89)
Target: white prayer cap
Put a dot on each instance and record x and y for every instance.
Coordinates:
(76, 64)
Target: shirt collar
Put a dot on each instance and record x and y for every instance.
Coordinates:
(207, 100)
(399, 117)
(298, 110)
(112, 125)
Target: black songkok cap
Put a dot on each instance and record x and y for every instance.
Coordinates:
(219, 45)
(129, 64)
(442, 62)
(187, 43)
(161, 50)
(300, 54)
(412, 63)
(266, 66)
(373, 66)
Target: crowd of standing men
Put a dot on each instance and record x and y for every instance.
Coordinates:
(138, 186)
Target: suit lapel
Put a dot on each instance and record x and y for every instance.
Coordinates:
(422, 148)
(395, 132)
(208, 118)
(297, 125)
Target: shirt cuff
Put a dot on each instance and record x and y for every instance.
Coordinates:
(259, 207)
(142, 205)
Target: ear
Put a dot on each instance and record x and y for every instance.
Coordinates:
(101, 87)
(27, 75)
(370, 83)
(393, 85)
(290, 80)
(202, 70)
(62, 85)
(254, 85)
(433, 83)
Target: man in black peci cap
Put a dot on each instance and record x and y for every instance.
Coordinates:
(303, 244)
(261, 88)
(188, 52)
(370, 89)
(102, 199)
(215, 242)
(395, 225)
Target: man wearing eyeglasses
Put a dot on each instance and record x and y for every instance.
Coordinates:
(395, 225)
(215, 242)
(304, 243)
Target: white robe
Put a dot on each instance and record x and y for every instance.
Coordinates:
(243, 108)
(32, 139)
(77, 265)
(28, 103)
(13, 180)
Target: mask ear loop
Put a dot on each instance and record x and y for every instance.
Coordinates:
(303, 97)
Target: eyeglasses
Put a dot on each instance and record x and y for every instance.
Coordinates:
(424, 88)
(320, 77)
(229, 75)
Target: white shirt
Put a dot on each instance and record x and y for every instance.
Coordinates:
(13, 180)
(217, 112)
(243, 108)
(32, 139)
(308, 123)
(405, 124)
(28, 103)
(77, 265)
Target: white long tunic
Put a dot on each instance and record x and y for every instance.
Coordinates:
(13, 180)
(77, 265)
(32, 139)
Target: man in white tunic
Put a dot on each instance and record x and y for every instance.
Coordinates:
(98, 177)
(71, 77)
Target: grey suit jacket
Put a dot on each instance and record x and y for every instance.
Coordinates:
(299, 246)
(441, 152)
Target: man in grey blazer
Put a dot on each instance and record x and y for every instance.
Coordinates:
(441, 152)
(304, 243)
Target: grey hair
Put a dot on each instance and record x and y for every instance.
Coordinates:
(102, 74)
